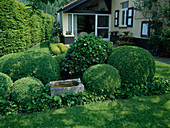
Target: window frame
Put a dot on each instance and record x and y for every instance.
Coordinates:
(125, 16)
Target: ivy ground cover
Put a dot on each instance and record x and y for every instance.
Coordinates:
(140, 112)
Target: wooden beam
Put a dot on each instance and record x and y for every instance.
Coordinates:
(90, 11)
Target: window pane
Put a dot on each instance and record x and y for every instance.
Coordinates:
(103, 21)
(103, 32)
(125, 5)
(69, 22)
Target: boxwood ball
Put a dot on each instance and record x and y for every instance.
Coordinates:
(135, 65)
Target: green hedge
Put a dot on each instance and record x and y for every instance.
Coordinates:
(63, 48)
(5, 85)
(25, 90)
(135, 65)
(54, 49)
(20, 28)
(101, 78)
(34, 63)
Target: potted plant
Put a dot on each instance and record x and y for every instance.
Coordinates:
(114, 32)
(126, 33)
(68, 33)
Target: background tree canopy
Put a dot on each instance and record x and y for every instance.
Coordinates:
(47, 6)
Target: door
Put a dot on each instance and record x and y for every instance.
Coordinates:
(103, 26)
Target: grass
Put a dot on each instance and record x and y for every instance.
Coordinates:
(163, 69)
(44, 46)
(140, 112)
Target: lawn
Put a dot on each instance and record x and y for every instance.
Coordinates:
(44, 46)
(163, 69)
(140, 112)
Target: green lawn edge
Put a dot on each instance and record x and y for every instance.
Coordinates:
(137, 112)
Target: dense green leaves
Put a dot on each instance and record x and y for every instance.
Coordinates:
(101, 78)
(25, 90)
(19, 30)
(135, 65)
(5, 85)
(34, 63)
(88, 50)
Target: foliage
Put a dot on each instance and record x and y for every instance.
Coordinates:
(55, 39)
(101, 78)
(88, 50)
(26, 90)
(63, 48)
(44, 46)
(54, 49)
(19, 30)
(138, 112)
(158, 86)
(45, 101)
(60, 58)
(158, 10)
(46, 7)
(34, 63)
(135, 65)
(5, 85)
(4, 59)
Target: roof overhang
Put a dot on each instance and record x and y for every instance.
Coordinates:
(76, 3)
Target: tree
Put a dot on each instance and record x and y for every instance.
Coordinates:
(159, 17)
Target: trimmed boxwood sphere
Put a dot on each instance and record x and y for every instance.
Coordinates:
(135, 65)
(101, 78)
(5, 85)
(26, 89)
(34, 63)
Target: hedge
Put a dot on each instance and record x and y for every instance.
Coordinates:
(21, 28)
(34, 63)
(5, 85)
(135, 65)
(101, 78)
(25, 90)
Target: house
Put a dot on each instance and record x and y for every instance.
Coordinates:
(100, 17)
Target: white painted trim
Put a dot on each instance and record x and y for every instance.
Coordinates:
(72, 24)
(96, 20)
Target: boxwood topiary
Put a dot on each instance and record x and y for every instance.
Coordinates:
(26, 89)
(135, 65)
(101, 78)
(34, 63)
(63, 48)
(5, 85)
(54, 49)
(88, 50)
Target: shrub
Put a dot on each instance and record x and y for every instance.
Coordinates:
(158, 86)
(135, 65)
(54, 49)
(25, 90)
(19, 30)
(4, 59)
(60, 58)
(5, 85)
(88, 50)
(55, 39)
(101, 78)
(63, 48)
(34, 63)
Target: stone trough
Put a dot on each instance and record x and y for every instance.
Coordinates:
(63, 86)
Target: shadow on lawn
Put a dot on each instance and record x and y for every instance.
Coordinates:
(163, 70)
(133, 113)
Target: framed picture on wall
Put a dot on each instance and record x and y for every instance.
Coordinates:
(145, 29)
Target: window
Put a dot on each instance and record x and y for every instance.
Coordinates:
(69, 23)
(116, 18)
(124, 14)
(145, 29)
